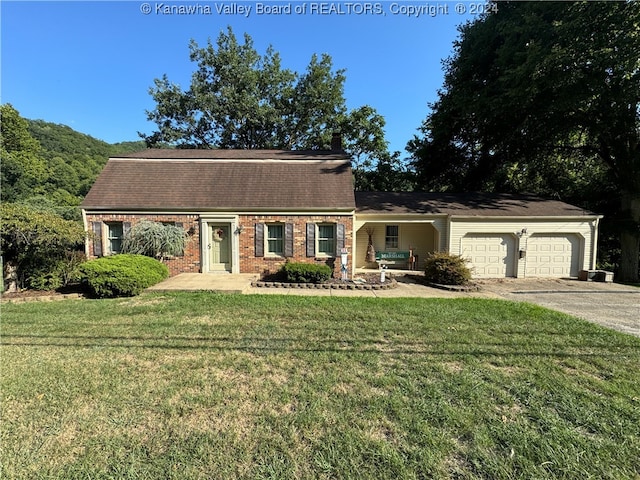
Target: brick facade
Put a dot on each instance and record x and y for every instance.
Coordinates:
(250, 263)
(187, 263)
(191, 262)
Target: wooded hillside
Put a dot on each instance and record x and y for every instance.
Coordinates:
(51, 166)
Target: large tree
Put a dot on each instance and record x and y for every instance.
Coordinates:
(241, 99)
(543, 96)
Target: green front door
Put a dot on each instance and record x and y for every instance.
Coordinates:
(219, 248)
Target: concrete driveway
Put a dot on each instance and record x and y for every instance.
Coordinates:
(609, 304)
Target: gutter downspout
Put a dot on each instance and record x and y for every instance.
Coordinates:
(594, 247)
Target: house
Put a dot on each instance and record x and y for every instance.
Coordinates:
(249, 211)
(246, 211)
(501, 235)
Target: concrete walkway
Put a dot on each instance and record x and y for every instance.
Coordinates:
(212, 282)
(611, 305)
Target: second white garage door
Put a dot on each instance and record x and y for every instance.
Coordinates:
(553, 256)
(490, 255)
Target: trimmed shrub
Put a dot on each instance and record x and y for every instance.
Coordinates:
(122, 275)
(446, 269)
(297, 272)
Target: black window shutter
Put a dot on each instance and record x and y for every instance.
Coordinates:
(288, 240)
(97, 238)
(340, 238)
(311, 239)
(259, 240)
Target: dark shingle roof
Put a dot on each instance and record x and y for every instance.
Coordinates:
(231, 180)
(465, 204)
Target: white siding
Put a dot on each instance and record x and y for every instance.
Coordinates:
(581, 230)
(422, 236)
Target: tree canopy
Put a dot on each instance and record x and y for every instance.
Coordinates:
(543, 97)
(241, 99)
(31, 239)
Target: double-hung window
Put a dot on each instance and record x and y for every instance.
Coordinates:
(114, 237)
(326, 239)
(275, 239)
(391, 237)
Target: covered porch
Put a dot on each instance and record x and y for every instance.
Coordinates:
(399, 242)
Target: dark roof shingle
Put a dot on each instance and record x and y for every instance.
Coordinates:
(464, 204)
(224, 180)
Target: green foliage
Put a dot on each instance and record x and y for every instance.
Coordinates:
(298, 272)
(122, 275)
(543, 97)
(155, 240)
(31, 240)
(241, 99)
(23, 169)
(74, 159)
(446, 269)
(42, 160)
(57, 272)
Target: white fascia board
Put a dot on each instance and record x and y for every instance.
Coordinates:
(521, 218)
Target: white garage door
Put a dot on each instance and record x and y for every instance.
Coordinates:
(553, 256)
(490, 255)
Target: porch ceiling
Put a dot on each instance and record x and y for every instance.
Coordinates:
(359, 223)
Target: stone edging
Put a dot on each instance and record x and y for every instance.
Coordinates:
(326, 286)
(42, 298)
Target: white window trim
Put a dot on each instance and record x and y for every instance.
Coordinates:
(397, 247)
(107, 238)
(334, 226)
(268, 253)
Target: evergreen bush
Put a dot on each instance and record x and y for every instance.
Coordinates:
(446, 269)
(298, 272)
(123, 275)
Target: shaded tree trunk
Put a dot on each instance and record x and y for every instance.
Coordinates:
(10, 277)
(630, 239)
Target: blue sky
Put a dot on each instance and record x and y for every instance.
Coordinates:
(89, 65)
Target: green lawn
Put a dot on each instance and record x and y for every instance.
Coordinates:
(196, 385)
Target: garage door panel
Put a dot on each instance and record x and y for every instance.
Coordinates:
(553, 256)
(489, 255)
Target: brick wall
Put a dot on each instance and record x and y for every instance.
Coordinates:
(189, 262)
(249, 263)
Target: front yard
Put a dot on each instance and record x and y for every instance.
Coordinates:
(196, 385)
